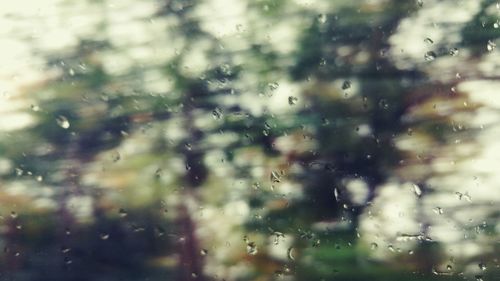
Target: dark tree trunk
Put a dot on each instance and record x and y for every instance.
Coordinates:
(190, 263)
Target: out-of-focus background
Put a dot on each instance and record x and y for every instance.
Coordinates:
(249, 140)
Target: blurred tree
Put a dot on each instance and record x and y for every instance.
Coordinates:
(358, 105)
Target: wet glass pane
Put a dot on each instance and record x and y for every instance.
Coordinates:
(249, 140)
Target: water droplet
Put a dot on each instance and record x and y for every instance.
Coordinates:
(159, 231)
(67, 260)
(203, 252)
(275, 177)
(63, 122)
(256, 186)
(292, 100)
(465, 195)
(279, 274)
(430, 56)
(336, 194)
(383, 104)
(420, 3)
(322, 18)
(410, 252)
(391, 248)
(71, 72)
(35, 107)
(194, 275)
(346, 85)
(19, 171)
(482, 266)
(39, 178)
(252, 248)
(373, 246)
(449, 267)
(438, 210)
(65, 249)
(289, 253)
(491, 46)
(136, 228)
(217, 113)
(104, 236)
(123, 213)
(277, 236)
(273, 86)
(428, 40)
(417, 190)
(115, 156)
(226, 69)
(13, 215)
(453, 52)
(188, 146)
(479, 277)
(316, 243)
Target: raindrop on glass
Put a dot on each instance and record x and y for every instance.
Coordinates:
(115, 156)
(346, 85)
(316, 243)
(67, 261)
(336, 194)
(438, 210)
(273, 86)
(62, 122)
(275, 177)
(430, 56)
(122, 212)
(491, 46)
(417, 190)
(292, 100)
(252, 248)
(217, 113)
(289, 253)
(383, 104)
(391, 248)
(65, 249)
(322, 18)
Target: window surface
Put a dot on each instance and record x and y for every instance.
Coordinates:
(299, 140)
